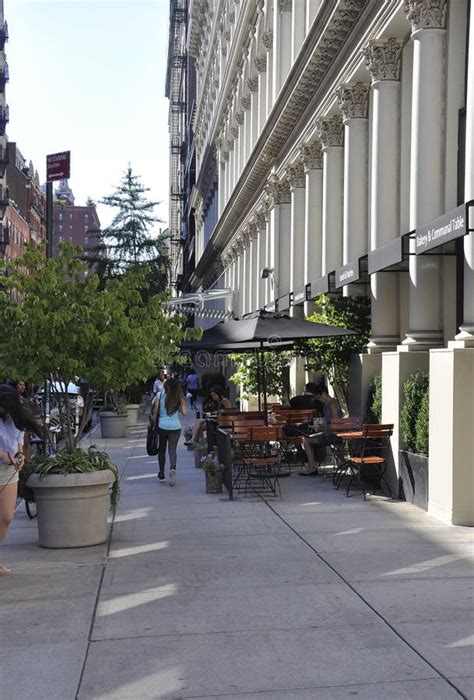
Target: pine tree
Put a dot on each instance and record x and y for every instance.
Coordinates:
(128, 243)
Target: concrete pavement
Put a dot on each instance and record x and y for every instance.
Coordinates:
(311, 596)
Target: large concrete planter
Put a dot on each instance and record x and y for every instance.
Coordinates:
(132, 414)
(214, 481)
(112, 425)
(72, 508)
(414, 478)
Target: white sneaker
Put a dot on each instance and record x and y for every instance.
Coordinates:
(172, 481)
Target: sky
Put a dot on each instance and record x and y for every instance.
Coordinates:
(89, 76)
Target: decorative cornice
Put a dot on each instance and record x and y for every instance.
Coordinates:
(296, 175)
(426, 14)
(278, 191)
(312, 155)
(260, 63)
(330, 131)
(353, 99)
(383, 59)
(252, 84)
(267, 39)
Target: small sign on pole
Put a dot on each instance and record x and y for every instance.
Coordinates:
(58, 166)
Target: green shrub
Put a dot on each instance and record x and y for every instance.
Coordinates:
(415, 390)
(422, 425)
(374, 400)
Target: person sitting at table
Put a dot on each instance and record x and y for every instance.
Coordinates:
(315, 447)
(217, 402)
(307, 399)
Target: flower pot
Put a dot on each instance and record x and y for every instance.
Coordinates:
(112, 425)
(72, 508)
(199, 451)
(132, 414)
(414, 479)
(214, 481)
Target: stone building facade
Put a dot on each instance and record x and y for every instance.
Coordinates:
(334, 148)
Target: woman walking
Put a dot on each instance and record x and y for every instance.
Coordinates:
(14, 419)
(166, 409)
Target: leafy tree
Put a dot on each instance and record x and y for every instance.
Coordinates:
(423, 425)
(276, 373)
(58, 324)
(129, 243)
(331, 356)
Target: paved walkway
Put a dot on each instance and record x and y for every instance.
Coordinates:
(314, 596)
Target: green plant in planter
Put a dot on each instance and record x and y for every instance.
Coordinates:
(210, 465)
(78, 462)
(414, 420)
(374, 401)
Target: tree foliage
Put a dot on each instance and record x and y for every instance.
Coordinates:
(276, 373)
(374, 400)
(331, 356)
(59, 324)
(129, 243)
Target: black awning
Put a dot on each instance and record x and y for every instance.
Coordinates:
(440, 232)
(392, 256)
(284, 302)
(352, 273)
(301, 295)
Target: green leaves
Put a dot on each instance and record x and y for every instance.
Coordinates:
(414, 415)
(276, 373)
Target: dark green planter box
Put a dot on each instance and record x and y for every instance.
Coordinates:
(413, 482)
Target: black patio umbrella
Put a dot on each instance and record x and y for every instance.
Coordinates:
(262, 331)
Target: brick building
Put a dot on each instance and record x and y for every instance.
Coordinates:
(72, 222)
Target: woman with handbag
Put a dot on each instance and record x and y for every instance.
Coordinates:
(167, 406)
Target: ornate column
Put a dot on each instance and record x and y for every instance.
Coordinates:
(353, 101)
(383, 60)
(331, 135)
(260, 258)
(428, 21)
(466, 332)
(252, 84)
(247, 107)
(252, 265)
(239, 247)
(267, 40)
(297, 180)
(261, 66)
(246, 241)
(279, 241)
(298, 28)
(313, 166)
(240, 119)
(282, 36)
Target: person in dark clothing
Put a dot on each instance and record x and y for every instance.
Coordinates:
(308, 400)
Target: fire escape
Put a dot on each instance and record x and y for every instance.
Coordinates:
(175, 91)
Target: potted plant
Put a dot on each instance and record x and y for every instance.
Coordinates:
(214, 473)
(188, 435)
(64, 325)
(414, 424)
(133, 398)
(71, 489)
(113, 421)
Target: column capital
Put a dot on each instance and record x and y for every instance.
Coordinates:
(278, 191)
(267, 39)
(426, 14)
(383, 59)
(353, 99)
(312, 155)
(330, 130)
(296, 175)
(234, 130)
(285, 5)
(246, 101)
(260, 63)
(260, 217)
(252, 83)
(253, 230)
(239, 118)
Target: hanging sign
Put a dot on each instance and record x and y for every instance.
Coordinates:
(446, 228)
(58, 166)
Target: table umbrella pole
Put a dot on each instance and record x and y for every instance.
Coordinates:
(258, 381)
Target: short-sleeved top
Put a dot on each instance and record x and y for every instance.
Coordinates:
(168, 421)
(157, 386)
(327, 411)
(192, 381)
(10, 436)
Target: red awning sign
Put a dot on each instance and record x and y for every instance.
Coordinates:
(58, 166)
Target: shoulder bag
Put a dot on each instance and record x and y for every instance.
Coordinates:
(153, 436)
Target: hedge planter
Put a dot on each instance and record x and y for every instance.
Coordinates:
(72, 508)
(132, 414)
(414, 478)
(112, 425)
(214, 481)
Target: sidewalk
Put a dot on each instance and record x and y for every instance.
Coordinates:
(315, 596)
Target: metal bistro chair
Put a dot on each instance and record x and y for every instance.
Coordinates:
(367, 463)
(339, 447)
(261, 460)
(240, 436)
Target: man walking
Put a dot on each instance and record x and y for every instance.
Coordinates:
(192, 381)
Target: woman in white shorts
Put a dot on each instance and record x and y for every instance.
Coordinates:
(14, 419)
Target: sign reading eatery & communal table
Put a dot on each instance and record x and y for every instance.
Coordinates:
(446, 228)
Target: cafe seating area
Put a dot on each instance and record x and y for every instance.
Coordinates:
(263, 447)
